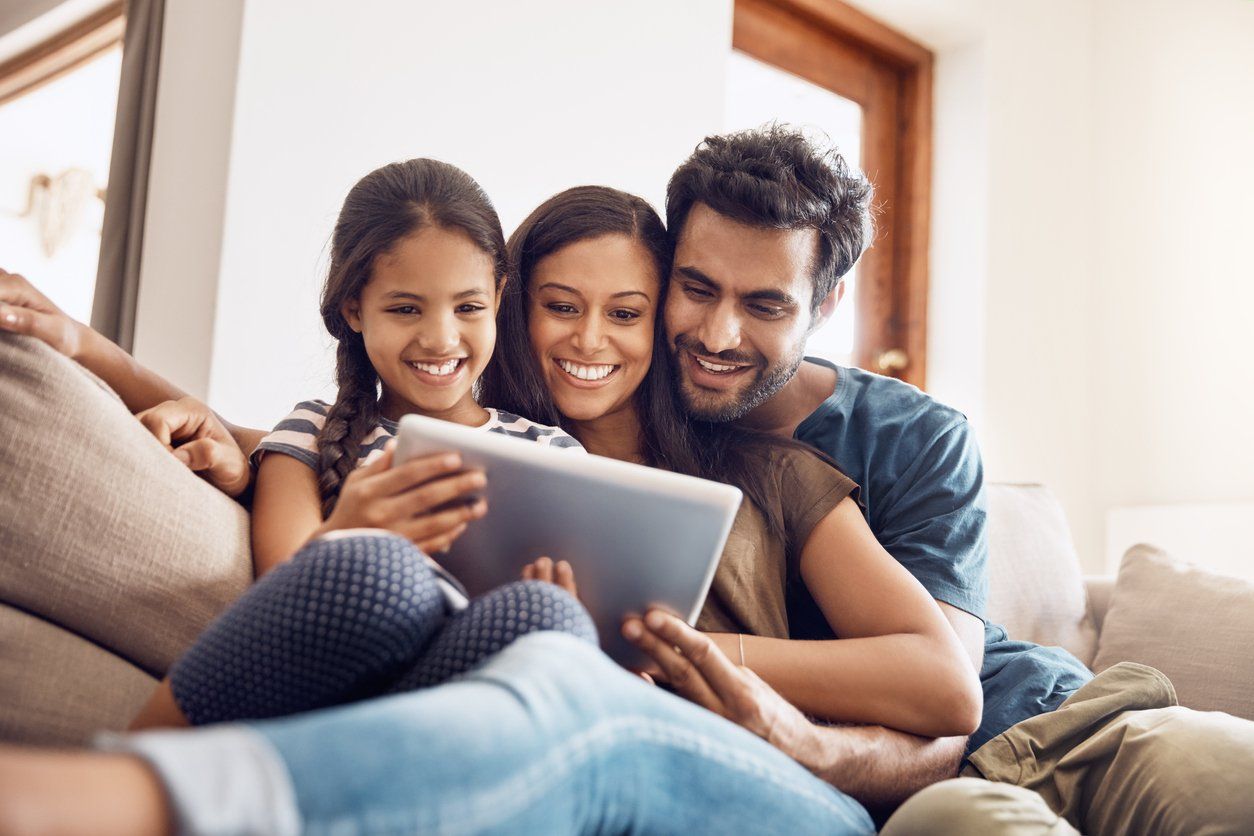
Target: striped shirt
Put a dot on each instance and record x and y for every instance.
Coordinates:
(297, 434)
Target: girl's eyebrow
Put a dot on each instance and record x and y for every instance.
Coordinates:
(404, 294)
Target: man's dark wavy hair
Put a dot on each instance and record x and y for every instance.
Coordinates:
(775, 177)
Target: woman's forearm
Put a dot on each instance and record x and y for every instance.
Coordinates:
(911, 682)
(139, 387)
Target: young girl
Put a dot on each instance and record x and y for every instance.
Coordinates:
(341, 612)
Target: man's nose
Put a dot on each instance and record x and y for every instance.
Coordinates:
(720, 330)
(589, 337)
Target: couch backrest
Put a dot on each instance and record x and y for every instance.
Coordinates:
(1036, 586)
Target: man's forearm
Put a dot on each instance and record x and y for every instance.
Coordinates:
(881, 767)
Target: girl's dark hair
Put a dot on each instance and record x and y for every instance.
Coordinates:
(669, 439)
(387, 205)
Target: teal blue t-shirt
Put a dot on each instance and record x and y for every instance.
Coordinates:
(922, 491)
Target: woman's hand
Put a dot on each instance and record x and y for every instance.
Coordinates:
(24, 310)
(429, 501)
(193, 433)
(560, 574)
(691, 663)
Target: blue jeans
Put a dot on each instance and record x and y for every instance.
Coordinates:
(548, 737)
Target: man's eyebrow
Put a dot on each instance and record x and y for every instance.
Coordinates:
(765, 295)
(777, 296)
(697, 276)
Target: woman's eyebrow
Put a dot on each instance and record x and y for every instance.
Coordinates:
(556, 286)
(623, 293)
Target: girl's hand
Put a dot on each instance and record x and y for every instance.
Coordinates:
(193, 433)
(544, 569)
(418, 500)
(24, 310)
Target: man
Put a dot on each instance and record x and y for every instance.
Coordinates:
(765, 225)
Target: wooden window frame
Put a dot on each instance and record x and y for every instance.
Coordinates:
(840, 48)
(63, 52)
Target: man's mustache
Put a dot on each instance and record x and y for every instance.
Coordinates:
(683, 342)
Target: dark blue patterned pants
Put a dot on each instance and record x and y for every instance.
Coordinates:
(350, 617)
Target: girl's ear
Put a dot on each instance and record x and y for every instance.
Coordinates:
(351, 310)
(500, 293)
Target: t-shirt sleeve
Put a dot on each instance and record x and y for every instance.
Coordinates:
(937, 525)
(296, 435)
(810, 489)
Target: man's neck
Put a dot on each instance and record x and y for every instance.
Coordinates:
(615, 435)
(783, 413)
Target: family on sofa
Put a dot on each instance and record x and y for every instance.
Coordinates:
(843, 637)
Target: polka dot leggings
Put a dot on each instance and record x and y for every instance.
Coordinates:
(351, 617)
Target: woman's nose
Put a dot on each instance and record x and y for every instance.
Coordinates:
(589, 336)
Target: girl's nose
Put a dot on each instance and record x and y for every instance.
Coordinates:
(440, 336)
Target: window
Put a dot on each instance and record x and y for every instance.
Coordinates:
(57, 109)
(826, 65)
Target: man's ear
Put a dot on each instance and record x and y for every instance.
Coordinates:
(351, 311)
(828, 306)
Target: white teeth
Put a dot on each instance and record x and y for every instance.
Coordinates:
(712, 367)
(597, 372)
(438, 369)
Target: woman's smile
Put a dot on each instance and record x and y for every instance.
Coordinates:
(586, 375)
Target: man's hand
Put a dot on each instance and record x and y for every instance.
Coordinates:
(24, 310)
(697, 669)
(560, 573)
(190, 430)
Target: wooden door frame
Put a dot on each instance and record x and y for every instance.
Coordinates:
(63, 52)
(842, 49)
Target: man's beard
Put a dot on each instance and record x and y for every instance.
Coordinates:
(708, 406)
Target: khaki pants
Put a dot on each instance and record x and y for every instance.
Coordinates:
(1118, 757)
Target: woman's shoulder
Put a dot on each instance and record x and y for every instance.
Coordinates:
(516, 426)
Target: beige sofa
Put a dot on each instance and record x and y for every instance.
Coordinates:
(113, 557)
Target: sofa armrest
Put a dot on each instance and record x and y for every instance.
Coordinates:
(1098, 589)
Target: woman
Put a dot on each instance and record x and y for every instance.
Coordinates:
(579, 345)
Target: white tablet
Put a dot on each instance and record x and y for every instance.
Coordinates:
(635, 536)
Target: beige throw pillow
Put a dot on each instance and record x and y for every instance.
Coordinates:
(1036, 589)
(1195, 626)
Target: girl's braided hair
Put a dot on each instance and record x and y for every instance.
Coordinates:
(384, 207)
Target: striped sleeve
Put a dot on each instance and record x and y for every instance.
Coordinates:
(514, 426)
(296, 435)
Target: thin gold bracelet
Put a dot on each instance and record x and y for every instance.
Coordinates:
(741, 636)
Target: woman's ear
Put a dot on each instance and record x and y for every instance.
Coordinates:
(351, 311)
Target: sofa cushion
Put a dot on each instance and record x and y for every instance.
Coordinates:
(57, 688)
(102, 531)
(1036, 589)
(1195, 626)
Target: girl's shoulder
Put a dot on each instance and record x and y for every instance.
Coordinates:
(515, 426)
(297, 435)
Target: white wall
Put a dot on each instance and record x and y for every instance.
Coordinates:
(529, 98)
(1091, 281)
(1174, 356)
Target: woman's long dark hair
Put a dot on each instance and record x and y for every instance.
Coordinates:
(387, 205)
(669, 439)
